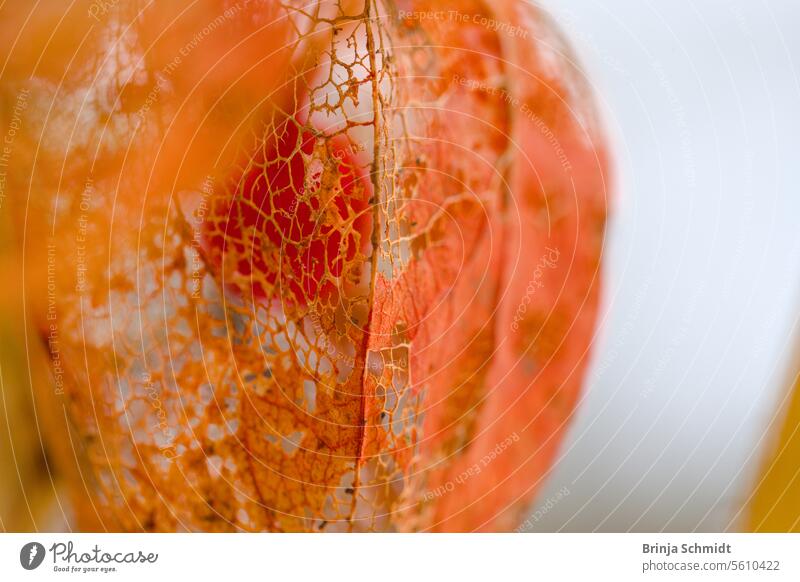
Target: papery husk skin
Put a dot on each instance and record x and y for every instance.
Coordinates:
(416, 378)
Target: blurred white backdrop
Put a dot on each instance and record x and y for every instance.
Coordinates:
(702, 101)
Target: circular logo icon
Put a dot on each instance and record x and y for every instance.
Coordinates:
(31, 555)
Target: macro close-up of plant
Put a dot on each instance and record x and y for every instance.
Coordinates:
(303, 266)
(405, 267)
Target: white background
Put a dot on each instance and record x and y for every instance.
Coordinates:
(702, 101)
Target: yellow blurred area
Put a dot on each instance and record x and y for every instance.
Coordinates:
(776, 502)
(27, 498)
(43, 37)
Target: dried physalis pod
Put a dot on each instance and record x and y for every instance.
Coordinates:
(326, 266)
